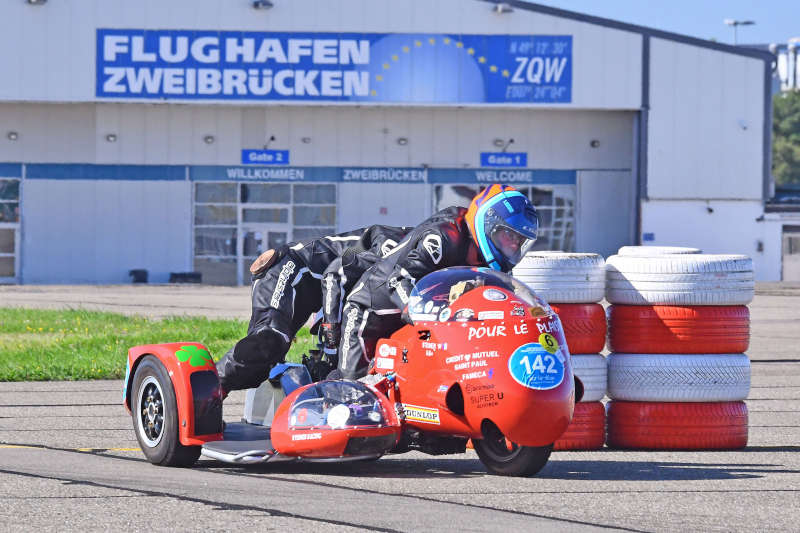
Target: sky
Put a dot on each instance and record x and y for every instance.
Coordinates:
(776, 21)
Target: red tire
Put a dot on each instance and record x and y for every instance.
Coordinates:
(677, 426)
(678, 329)
(584, 326)
(587, 431)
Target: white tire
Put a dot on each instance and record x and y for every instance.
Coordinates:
(678, 377)
(561, 260)
(687, 279)
(591, 370)
(656, 250)
(563, 277)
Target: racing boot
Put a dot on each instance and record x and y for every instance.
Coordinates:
(248, 363)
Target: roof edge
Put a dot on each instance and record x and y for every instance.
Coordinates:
(634, 28)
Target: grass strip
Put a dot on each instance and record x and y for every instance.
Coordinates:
(46, 345)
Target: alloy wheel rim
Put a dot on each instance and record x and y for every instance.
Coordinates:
(150, 412)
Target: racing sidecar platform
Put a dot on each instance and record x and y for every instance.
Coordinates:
(243, 443)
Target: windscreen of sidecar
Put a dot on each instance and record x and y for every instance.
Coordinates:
(435, 292)
(336, 404)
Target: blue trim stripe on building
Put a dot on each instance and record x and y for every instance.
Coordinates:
(236, 173)
(10, 170)
(73, 171)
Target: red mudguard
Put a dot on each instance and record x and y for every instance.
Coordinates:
(181, 359)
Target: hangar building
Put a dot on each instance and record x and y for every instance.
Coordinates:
(190, 135)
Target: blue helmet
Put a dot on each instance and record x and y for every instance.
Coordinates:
(503, 224)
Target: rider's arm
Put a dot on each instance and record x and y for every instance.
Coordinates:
(337, 281)
(431, 253)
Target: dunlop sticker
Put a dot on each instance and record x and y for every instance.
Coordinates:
(426, 415)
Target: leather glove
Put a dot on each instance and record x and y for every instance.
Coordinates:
(405, 316)
(330, 334)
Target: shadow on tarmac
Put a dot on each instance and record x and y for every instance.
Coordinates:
(397, 468)
(656, 470)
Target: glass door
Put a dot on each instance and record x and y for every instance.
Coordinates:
(9, 243)
(257, 239)
(9, 230)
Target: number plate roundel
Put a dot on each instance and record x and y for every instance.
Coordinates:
(534, 366)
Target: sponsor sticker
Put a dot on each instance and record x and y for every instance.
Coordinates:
(307, 436)
(385, 363)
(442, 388)
(444, 315)
(462, 315)
(535, 367)
(428, 306)
(483, 400)
(548, 342)
(518, 311)
(491, 315)
(473, 375)
(426, 415)
(493, 295)
(385, 350)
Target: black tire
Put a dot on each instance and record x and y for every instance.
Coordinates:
(154, 411)
(500, 458)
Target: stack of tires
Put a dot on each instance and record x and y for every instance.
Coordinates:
(573, 284)
(678, 328)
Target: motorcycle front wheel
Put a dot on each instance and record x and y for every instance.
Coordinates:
(503, 457)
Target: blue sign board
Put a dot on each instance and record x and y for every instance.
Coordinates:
(337, 67)
(504, 159)
(265, 157)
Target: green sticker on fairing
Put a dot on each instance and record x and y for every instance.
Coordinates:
(196, 356)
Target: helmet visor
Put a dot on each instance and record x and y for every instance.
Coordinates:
(511, 243)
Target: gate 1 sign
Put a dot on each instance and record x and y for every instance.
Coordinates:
(265, 157)
(337, 67)
(504, 159)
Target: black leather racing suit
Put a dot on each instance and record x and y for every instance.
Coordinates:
(373, 308)
(341, 276)
(283, 297)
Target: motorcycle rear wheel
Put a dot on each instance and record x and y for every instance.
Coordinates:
(503, 457)
(154, 411)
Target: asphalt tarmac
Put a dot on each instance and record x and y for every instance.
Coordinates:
(69, 459)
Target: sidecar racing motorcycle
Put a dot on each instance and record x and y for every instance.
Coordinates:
(484, 358)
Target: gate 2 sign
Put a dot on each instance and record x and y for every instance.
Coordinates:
(336, 67)
(265, 157)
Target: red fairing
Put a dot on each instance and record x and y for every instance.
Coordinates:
(335, 419)
(180, 372)
(434, 359)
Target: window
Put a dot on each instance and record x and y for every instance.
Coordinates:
(235, 222)
(9, 200)
(266, 193)
(220, 193)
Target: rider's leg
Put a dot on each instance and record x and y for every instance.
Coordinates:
(360, 333)
(270, 332)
